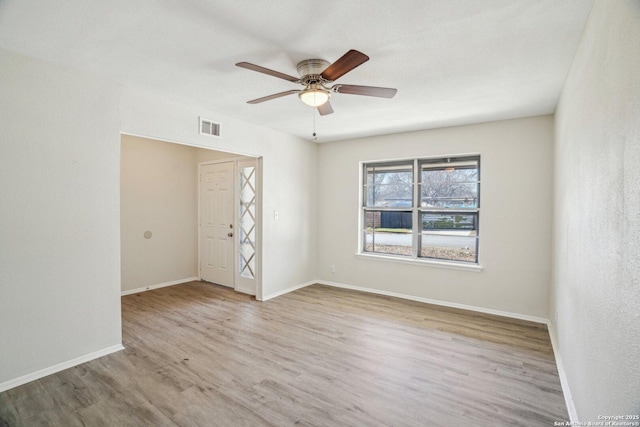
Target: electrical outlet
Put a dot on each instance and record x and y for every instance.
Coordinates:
(276, 215)
(333, 268)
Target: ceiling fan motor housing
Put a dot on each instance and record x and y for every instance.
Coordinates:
(315, 93)
(312, 68)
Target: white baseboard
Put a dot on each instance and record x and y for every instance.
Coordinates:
(289, 289)
(159, 285)
(564, 382)
(437, 302)
(57, 368)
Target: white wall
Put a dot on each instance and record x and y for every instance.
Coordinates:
(59, 224)
(213, 155)
(515, 218)
(59, 216)
(596, 281)
(158, 193)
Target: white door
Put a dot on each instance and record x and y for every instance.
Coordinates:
(216, 223)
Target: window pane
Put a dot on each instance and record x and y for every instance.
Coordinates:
(389, 186)
(388, 232)
(455, 248)
(449, 187)
(449, 222)
(247, 229)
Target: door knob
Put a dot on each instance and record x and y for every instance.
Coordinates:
(230, 234)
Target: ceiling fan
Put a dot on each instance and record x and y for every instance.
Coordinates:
(316, 75)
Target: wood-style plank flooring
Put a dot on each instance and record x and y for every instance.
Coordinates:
(203, 355)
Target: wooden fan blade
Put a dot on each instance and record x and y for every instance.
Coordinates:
(380, 92)
(342, 66)
(325, 109)
(263, 70)
(274, 96)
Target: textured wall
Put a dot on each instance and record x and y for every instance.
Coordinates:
(59, 216)
(596, 281)
(515, 217)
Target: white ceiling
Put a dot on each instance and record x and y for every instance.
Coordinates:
(453, 61)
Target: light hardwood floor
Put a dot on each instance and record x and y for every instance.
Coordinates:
(203, 355)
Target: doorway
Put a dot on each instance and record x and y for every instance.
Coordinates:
(160, 210)
(216, 223)
(228, 226)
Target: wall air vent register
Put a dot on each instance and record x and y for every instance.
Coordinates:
(209, 127)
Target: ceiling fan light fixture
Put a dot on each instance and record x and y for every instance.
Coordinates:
(314, 97)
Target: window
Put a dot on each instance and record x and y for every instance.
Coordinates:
(422, 208)
(247, 227)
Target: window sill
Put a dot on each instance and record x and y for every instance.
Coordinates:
(424, 262)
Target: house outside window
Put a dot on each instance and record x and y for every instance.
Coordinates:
(422, 209)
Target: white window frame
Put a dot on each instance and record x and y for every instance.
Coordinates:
(416, 211)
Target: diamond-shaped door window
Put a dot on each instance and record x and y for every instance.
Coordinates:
(247, 254)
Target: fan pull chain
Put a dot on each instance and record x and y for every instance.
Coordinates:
(315, 137)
